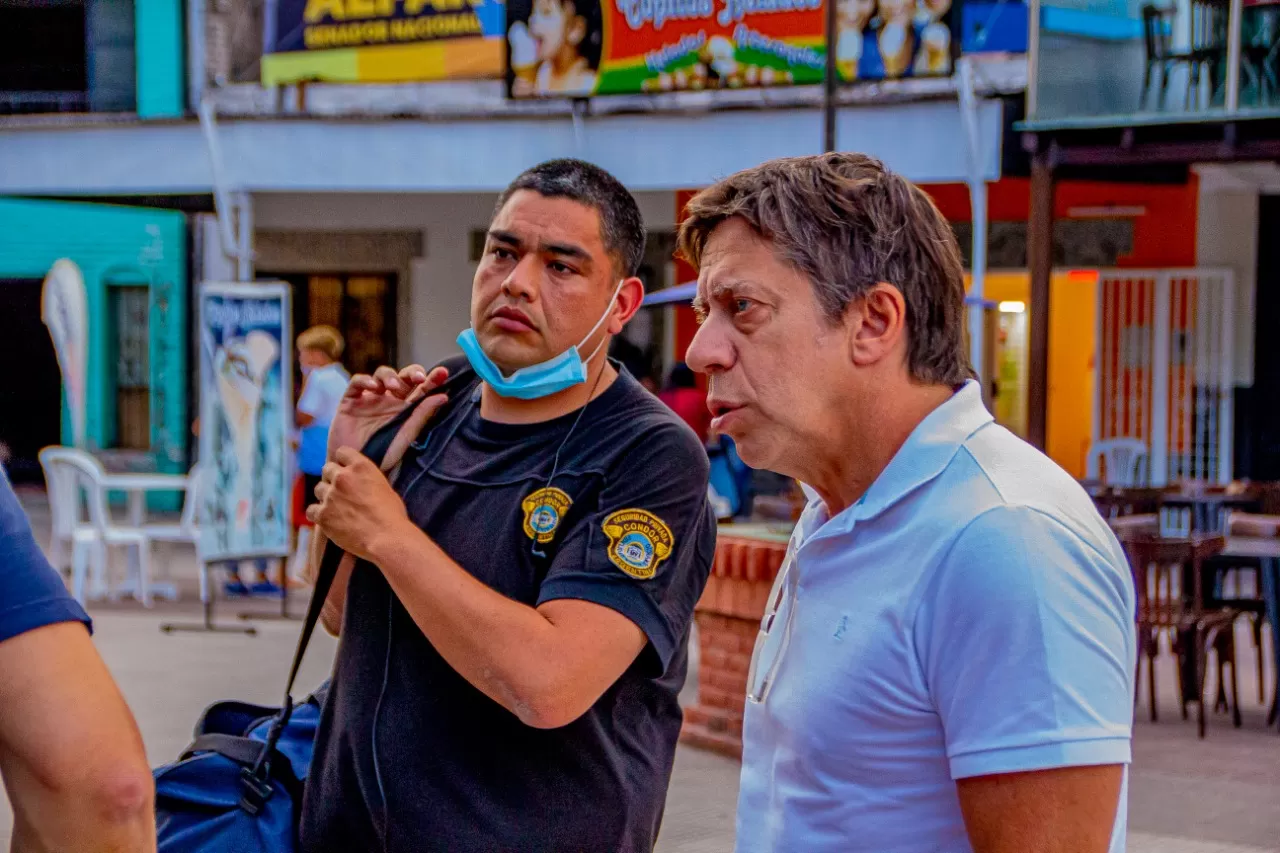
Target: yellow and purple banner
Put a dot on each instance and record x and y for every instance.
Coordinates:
(382, 41)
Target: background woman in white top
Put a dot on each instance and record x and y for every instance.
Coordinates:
(324, 381)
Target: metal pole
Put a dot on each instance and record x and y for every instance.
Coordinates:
(1234, 19)
(829, 81)
(978, 201)
(244, 238)
(1040, 259)
(1033, 58)
(222, 201)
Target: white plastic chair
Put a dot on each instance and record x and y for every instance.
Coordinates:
(188, 527)
(1124, 461)
(64, 502)
(91, 542)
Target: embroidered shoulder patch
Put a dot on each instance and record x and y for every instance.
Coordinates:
(543, 512)
(638, 542)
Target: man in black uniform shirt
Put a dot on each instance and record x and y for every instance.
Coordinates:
(515, 625)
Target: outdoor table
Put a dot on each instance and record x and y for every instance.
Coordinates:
(136, 487)
(728, 615)
(1267, 552)
(1208, 510)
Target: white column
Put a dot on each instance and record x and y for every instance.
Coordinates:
(1160, 383)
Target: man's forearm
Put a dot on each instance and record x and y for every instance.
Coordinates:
(507, 650)
(70, 753)
(102, 809)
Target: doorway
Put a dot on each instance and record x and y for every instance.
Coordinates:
(362, 306)
(30, 395)
(1258, 408)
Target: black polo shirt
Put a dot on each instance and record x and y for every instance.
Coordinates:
(410, 756)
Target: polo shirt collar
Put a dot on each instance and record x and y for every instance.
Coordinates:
(925, 454)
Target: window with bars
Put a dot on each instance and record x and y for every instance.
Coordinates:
(130, 318)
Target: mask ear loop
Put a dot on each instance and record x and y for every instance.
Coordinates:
(555, 464)
(596, 327)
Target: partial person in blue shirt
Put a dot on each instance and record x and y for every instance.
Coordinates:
(946, 663)
(71, 756)
(324, 381)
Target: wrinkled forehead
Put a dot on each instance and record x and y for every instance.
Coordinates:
(737, 261)
(734, 249)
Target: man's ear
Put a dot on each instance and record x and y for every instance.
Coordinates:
(630, 298)
(877, 324)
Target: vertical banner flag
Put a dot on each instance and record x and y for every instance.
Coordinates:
(381, 41)
(246, 420)
(64, 309)
(577, 48)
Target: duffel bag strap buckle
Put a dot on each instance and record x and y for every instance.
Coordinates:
(254, 791)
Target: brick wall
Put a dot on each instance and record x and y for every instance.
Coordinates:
(728, 618)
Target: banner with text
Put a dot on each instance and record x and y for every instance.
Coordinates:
(246, 420)
(577, 48)
(382, 41)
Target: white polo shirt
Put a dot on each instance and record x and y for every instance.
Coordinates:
(972, 614)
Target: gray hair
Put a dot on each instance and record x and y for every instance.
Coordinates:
(847, 223)
(621, 226)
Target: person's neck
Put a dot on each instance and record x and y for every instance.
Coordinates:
(865, 442)
(512, 410)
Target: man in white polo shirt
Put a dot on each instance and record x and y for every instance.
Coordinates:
(946, 664)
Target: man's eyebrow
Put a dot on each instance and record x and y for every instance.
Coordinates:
(700, 309)
(505, 237)
(565, 250)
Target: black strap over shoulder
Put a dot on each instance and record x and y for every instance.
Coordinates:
(461, 379)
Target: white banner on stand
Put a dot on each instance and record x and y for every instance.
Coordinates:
(246, 420)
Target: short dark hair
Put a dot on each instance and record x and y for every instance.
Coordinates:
(621, 226)
(847, 223)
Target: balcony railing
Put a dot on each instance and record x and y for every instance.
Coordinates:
(1099, 62)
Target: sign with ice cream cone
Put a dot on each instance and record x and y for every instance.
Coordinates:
(246, 418)
(578, 48)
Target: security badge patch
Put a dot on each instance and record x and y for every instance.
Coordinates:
(543, 512)
(638, 542)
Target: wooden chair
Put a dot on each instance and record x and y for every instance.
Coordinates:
(1162, 569)
(1224, 569)
(1161, 58)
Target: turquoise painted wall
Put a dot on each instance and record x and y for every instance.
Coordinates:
(118, 245)
(158, 34)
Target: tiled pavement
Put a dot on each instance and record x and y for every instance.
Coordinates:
(1220, 795)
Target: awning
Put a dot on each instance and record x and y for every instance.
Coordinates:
(661, 152)
(679, 293)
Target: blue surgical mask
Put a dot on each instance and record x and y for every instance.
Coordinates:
(552, 376)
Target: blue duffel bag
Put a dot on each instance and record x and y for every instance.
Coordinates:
(239, 785)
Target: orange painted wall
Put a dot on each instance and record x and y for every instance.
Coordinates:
(1165, 236)
(1073, 320)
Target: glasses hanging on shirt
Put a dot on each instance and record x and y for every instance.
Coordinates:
(775, 632)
